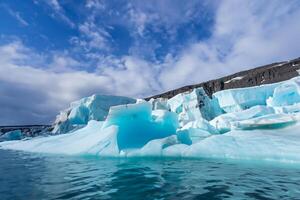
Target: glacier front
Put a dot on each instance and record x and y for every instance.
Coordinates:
(257, 123)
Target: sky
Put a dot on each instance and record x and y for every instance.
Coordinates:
(53, 52)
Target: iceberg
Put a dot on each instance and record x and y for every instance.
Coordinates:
(195, 131)
(266, 122)
(194, 105)
(153, 148)
(285, 94)
(159, 104)
(126, 127)
(224, 123)
(95, 107)
(91, 139)
(281, 145)
(236, 100)
(257, 123)
(11, 135)
(137, 125)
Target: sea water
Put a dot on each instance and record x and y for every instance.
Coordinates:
(40, 176)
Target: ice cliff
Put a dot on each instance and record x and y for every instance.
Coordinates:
(260, 123)
(95, 107)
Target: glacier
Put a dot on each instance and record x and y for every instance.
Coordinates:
(256, 123)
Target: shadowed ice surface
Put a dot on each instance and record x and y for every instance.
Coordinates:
(36, 176)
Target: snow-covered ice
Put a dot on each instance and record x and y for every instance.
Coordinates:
(234, 79)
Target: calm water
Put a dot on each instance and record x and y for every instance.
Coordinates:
(34, 176)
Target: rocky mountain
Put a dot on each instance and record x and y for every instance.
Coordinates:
(266, 74)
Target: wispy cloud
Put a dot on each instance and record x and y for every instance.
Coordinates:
(16, 15)
(95, 37)
(59, 12)
(253, 35)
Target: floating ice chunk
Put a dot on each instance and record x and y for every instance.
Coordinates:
(91, 139)
(136, 125)
(288, 93)
(235, 100)
(11, 135)
(154, 147)
(223, 123)
(95, 107)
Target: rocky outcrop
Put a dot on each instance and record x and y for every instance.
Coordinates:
(266, 74)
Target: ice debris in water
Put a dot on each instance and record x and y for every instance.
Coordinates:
(259, 123)
(11, 135)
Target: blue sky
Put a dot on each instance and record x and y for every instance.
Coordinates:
(53, 52)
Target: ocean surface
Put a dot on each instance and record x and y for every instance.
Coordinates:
(31, 176)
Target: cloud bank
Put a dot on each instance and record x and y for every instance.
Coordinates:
(34, 86)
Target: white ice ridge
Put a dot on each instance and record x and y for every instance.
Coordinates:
(257, 123)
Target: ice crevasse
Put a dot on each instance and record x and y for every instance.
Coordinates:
(260, 123)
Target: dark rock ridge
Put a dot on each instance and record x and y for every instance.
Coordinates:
(27, 130)
(266, 74)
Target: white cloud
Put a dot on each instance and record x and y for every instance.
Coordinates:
(254, 34)
(168, 15)
(53, 86)
(50, 89)
(95, 4)
(54, 3)
(94, 37)
(139, 19)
